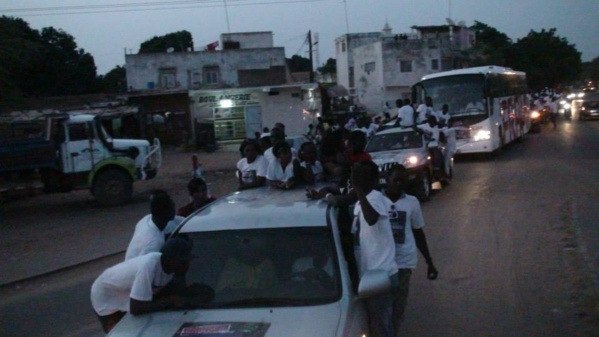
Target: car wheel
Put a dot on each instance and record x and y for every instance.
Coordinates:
(112, 187)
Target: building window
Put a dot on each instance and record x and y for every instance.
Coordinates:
(369, 67)
(405, 66)
(211, 75)
(343, 47)
(351, 77)
(435, 64)
(168, 78)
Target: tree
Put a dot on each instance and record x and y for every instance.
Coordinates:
(330, 67)
(490, 47)
(42, 63)
(19, 50)
(547, 59)
(179, 41)
(66, 70)
(298, 64)
(115, 81)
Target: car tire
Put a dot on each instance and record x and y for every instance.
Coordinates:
(112, 188)
(424, 187)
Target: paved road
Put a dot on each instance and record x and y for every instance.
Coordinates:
(514, 240)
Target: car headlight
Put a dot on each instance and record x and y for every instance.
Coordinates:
(535, 114)
(563, 101)
(567, 106)
(580, 95)
(411, 161)
(571, 96)
(482, 135)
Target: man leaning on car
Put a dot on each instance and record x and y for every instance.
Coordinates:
(135, 285)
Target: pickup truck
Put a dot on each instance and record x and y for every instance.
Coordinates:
(72, 152)
(412, 149)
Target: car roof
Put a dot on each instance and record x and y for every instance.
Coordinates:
(262, 207)
(396, 129)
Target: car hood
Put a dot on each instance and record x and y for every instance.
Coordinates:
(127, 143)
(393, 157)
(322, 320)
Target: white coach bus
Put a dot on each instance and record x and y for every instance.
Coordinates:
(488, 105)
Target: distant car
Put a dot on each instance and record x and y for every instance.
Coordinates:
(589, 108)
(410, 148)
(276, 263)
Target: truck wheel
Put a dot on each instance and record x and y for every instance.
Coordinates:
(112, 187)
(423, 189)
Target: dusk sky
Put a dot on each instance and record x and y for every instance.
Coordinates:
(106, 28)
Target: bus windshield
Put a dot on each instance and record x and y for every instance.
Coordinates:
(464, 94)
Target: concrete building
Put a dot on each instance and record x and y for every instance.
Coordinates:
(245, 60)
(224, 95)
(381, 67)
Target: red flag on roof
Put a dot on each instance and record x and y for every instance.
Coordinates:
(212, 46)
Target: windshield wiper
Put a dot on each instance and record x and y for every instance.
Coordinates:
(264, 301)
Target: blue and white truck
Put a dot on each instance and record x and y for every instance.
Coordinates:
(61, 152)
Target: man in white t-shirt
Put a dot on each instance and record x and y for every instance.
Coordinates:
(407, 222)
(251, 170)
(134, 285)
(149, 232)
(443, 115)
(425, 110)
(277, 136)
(406, 114)
(280, 171)
(377, 248)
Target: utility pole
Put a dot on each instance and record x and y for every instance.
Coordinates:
(227, 14)
(311, 62)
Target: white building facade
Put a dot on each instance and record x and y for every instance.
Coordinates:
(383, 69)
(229, 93)
(247, 59)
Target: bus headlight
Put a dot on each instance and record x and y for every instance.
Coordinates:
(535, 114)
(482, 135)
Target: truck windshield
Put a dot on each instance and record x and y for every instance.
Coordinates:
(464, 94)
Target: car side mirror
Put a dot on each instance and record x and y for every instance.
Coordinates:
(374, 282)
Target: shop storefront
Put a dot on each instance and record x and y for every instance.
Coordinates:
(237, 114)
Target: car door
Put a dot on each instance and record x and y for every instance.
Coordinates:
(82, 150)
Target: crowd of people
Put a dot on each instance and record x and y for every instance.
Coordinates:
(389, 224)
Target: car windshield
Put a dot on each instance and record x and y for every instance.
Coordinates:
(294, 266)
(464, 94)
(395, 141)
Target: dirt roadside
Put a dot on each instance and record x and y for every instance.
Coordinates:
(48, 232)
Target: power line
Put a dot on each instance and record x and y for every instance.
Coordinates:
(68, 10)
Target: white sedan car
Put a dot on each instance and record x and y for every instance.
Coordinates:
(276, 264)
